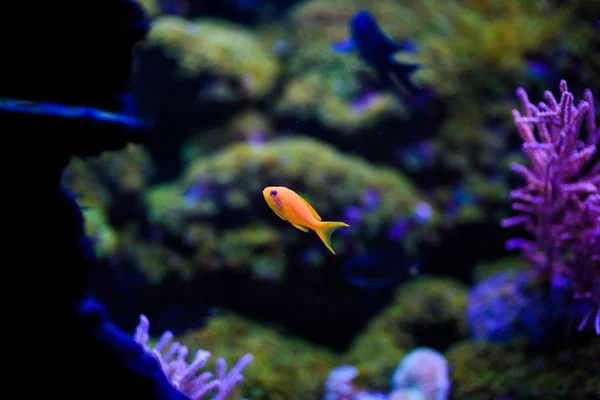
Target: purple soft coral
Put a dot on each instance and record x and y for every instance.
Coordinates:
(183, 376)
(560, 203)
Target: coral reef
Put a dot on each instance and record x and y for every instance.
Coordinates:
(183, 376)
(285, 367)
(459, 40)
(226, 188)
(560, 202)
(421, 309)
(237, 66)
(228, 93)
(337, 91)
(484, 370)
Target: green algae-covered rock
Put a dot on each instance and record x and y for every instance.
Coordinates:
(425, 307)
(127, 171)
(217, 206)
(482, 370)
(97, 180)
(86, 183)
(284, 368)
(101, 184)
(102, 235)
(238, 65)
(424, 312)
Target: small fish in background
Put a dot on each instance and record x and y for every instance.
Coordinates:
(377, 50)
(289, 206)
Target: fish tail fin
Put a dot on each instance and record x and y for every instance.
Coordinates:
(402, 72)
(325, 228)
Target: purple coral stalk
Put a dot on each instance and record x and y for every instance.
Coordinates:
(185, 377)
(560, 203)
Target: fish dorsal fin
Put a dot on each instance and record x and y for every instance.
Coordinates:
(302, 228)
(312, 210)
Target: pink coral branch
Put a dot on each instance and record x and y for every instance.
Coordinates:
(560, 202)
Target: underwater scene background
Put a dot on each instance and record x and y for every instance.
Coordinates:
(471, 265)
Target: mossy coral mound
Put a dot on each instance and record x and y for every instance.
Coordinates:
(218, 206)
(97, 181)
(100, 184)
(242, 66)
(283, 367)
(86, 183)
(102, 235)
(126, 171)
(491, 371)
(461, 39)
(426, 306)
(420, 311)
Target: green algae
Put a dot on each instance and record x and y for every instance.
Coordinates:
(245, 69)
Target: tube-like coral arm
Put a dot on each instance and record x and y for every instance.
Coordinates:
(182, 376)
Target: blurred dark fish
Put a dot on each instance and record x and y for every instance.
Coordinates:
(377, 50)
(378, 270)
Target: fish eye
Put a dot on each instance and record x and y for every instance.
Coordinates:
(273, 192)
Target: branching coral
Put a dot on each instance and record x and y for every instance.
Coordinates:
(560, 203)
(183, 375)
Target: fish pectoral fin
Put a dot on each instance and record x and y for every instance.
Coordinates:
(302, 228)
(280, 215)
(312, 210)
(344, 46)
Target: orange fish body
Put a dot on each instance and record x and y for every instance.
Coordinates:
(289, 206)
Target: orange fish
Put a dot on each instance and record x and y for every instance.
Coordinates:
(289, 206)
